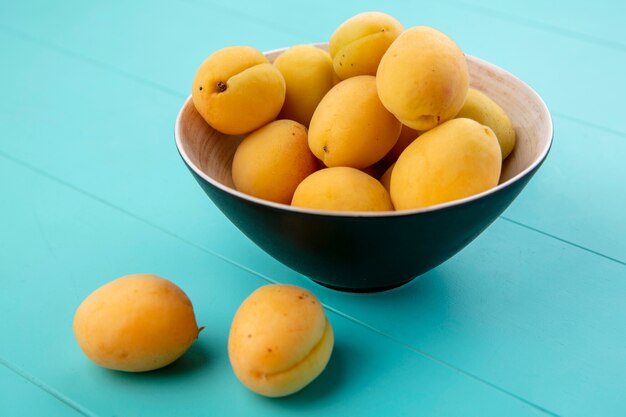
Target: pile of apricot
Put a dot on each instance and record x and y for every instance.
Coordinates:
(384, 120)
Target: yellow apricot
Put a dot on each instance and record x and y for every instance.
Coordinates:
(457, 159)
(309, 74)
(341, 189)
(407, 135)
(423, 78)
(135, 323)
(280, 340)
(237, 90)
(351, 127)
(359, 43)
(480, 107)
(271, 161)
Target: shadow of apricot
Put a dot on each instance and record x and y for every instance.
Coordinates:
(195, 360)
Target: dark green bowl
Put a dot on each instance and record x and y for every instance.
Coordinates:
(365, 252)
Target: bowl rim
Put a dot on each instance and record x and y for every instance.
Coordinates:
(399, 213)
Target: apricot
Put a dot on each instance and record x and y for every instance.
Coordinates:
(237, 90)
(351, 127)
(480, 107)
(359, 43)
(407, 135)
(309, 74)
(135, 323)
(423, 78)
(341, 189)
(280, 340)
(455, 160)
(271, 161)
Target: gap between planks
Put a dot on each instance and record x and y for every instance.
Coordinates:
(47, 388)
(535, 24)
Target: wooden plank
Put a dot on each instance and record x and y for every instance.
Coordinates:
(156, 44)
(21, 397)
(596, 22)
(65, 244)
(579, 79)
(579, 194)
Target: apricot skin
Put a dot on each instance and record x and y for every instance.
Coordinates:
(455, 160)
(342, 189)
(351, 127)
(309, 74)
(423, 78)
(359, 43)
(271, 161)
(280, 340)
(237, 90)
(135, 323)
(480, 107)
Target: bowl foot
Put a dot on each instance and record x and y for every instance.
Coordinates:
(363, 290)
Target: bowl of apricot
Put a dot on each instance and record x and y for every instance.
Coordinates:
(367, 161)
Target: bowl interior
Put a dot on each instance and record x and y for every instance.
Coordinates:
(210, 153)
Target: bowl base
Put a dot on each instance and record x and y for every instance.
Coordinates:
(363, 290)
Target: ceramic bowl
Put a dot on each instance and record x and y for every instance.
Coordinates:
(364, 252)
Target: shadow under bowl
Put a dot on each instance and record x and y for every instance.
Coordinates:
(367, 252)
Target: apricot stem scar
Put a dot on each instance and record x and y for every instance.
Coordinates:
(221, 86)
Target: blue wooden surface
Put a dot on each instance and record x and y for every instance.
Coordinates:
(528, 320)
